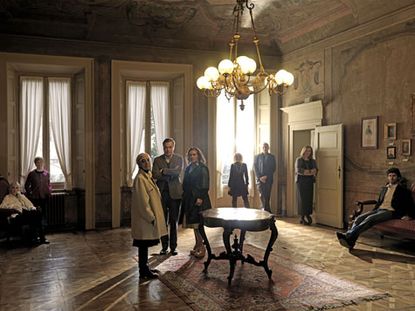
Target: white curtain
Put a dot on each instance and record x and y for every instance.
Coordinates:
(225, 140)
(31, 116)
(136, 110)
(245, 135)
(159, 107)
(59, 114)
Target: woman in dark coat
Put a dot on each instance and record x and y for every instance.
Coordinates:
(305, 175)
(195, 196)
(238, 181)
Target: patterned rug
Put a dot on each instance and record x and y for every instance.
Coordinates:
(293, 286)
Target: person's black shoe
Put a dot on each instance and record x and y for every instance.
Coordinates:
(173, 252)
(44, 241)
(309, 220)
(148, 275)
(344, 241)
(163, 252)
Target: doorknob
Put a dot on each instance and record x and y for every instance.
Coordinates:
(339, 170)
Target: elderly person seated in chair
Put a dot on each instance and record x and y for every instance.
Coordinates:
(24, 213)
(393, 201)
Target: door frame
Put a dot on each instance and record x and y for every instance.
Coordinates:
(306, 116)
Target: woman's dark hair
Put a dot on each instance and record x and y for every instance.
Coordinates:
(394, 170)
(200, 156)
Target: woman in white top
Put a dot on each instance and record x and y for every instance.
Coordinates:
(24, 213)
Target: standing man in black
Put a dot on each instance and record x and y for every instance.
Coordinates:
(264, 166)
(167, 169)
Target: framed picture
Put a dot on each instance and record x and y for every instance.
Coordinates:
(390, 131)
(369, 133)
(391, 152)
(406, 147)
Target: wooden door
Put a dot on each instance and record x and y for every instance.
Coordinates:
(329, 186)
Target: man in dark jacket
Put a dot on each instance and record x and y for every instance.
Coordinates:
(394, 200)
(264, 166)
(167, 170)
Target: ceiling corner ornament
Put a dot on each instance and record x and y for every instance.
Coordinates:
(237, 76)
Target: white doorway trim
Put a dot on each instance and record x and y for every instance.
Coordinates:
(301, 117)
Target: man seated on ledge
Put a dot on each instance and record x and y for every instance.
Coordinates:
(24, 213)
(393, 202)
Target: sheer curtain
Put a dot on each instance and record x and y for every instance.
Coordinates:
(136, 111)
(31, 115)
(159, 106)
(59, 114)
(225, 141)
(245, 135)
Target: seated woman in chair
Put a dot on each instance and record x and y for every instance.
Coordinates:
(24, 213)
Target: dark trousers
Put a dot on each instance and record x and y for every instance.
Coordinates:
(171, 208)
(143, 259)
(367, 221)
(244, 198)
(32, 219)
(265, 195)
(43, 204)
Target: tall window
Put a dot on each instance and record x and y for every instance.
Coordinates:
(235, 132)
(45, 110)
(147, 114)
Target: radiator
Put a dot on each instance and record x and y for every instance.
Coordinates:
(55, 211)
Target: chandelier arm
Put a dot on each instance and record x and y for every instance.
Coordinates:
(262, 88)
(228, 87)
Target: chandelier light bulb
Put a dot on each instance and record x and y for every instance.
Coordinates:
(289, 78)
(251, 66)
(211, 73)
(203, 83)
(280, 76)
(244, 63)
(225, 66)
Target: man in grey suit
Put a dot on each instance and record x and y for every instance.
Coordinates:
(167, 169)
(264, 166)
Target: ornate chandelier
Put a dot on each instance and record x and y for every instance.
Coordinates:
(236, 75)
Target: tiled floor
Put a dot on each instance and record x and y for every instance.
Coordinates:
(97, 270)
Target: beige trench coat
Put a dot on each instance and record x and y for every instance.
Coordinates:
(147, 217)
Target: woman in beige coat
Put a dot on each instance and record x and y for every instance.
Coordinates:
(147, 218)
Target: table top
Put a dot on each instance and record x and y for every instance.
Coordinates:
(232, 217)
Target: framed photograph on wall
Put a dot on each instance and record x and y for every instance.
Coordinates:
(391, 152)
(369, 133)
(390, 131)
(406, 147)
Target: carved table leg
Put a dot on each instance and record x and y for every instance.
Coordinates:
(232, 261)
(206, 242)
(241, 240)
(226, 236)
(272, 239)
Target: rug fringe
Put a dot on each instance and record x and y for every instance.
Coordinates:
(349, 303)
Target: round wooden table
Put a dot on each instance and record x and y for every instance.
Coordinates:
(245, 219)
